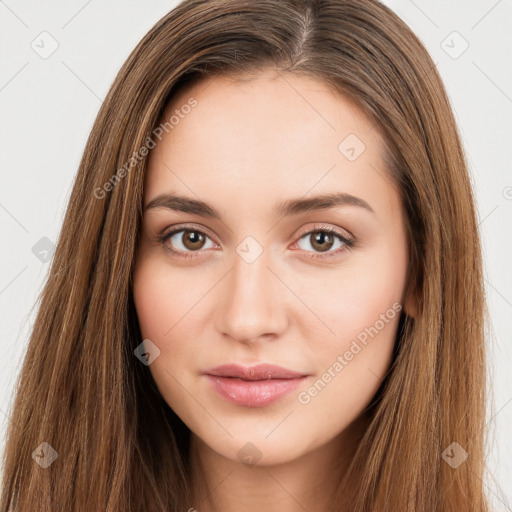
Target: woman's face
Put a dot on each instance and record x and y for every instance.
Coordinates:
(256, 278)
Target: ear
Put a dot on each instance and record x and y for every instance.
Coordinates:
(411, 303)
(410, 299)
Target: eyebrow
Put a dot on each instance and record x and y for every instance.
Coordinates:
(286, 208)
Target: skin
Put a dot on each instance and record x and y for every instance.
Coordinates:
(245, 147)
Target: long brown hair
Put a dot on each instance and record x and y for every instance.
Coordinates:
(81, 389)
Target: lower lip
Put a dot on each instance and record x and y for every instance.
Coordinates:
(253, 393)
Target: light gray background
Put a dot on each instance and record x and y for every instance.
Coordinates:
(48, 106)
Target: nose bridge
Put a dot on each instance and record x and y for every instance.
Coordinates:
(252, 303)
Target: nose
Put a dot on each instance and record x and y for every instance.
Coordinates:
(253, 302)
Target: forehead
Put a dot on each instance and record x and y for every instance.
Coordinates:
(258, 106)
(265, 137)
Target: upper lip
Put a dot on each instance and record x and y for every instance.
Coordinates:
(258, 372)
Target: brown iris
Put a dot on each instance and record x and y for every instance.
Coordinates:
(193, 240)
(322, 241)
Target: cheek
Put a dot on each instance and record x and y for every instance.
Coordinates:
(169, 305)
(355, 295)
(161, 301)
(151, 302)
(162, 297)
(351, 365)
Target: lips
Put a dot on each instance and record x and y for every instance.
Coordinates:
(254, 386)
(258, 372)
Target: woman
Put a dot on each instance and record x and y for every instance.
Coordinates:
(194, 349)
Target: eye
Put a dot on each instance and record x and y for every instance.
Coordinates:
(323, 239)
(184, 241)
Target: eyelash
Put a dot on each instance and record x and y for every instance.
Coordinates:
(348, 243)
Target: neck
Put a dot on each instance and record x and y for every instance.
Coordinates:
(309, 482)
